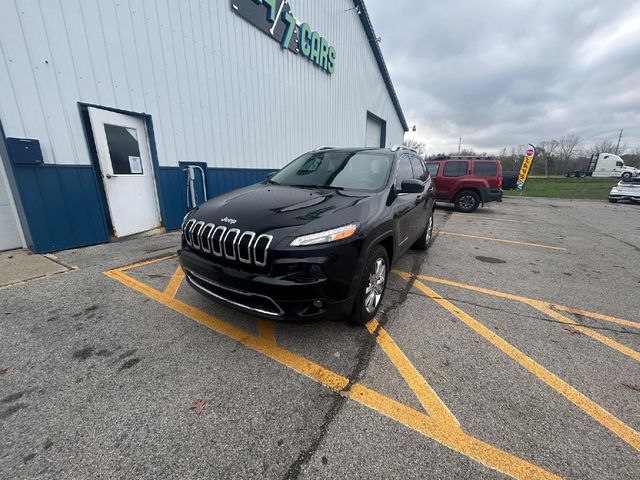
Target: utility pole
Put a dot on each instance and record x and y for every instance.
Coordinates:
(459, 145)
(619, 138)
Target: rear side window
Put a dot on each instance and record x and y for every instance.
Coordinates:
(485, 169)
(404, 171)
(418, 169)
(455, 169)
(433, 168)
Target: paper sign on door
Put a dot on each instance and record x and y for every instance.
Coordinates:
(135, 165)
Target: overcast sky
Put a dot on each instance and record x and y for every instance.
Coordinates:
(502, 73)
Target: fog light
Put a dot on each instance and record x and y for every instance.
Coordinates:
(318, 303)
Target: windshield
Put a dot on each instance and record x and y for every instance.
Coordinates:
(349, 170)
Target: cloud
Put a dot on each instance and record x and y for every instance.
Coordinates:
(511, 72)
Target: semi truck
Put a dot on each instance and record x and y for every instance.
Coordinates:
(605, 165)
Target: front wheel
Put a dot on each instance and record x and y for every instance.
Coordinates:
(467, 201)
(372, 286)
(425, 239)
(626, 175)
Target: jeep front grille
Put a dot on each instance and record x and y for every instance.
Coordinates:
(230, 243)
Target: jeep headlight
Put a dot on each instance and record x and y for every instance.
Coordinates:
(327, 236)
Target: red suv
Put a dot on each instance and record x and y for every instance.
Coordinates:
(467, 182)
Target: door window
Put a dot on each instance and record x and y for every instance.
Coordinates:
(455, 169)
(485, 169)
(404, 171)
(433, 169)
(419, 172)
(124, 150)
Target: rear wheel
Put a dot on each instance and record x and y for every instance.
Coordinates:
(372, 286)
(467, 201)
(425, 239)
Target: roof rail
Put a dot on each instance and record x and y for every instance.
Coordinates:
(395, 148)
(325, 148)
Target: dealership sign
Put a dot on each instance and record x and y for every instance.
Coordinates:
(274, 17)
(526, 166)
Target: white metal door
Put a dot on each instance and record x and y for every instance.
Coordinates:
(127, 171)
(9, 231)
(374, 132)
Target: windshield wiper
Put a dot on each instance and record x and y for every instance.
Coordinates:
(272, 182)
(331, 187)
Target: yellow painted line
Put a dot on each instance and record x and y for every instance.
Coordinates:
(425, 394)
(502, 240)
(449, 435)
(446, 433)
(475, 216)
(598, 316)
(540, 306)
(266, 330)
(144, 263)
(585, 404)
(529, 301)
(174, 283)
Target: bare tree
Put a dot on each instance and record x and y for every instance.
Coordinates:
(568, 148)
(547, 151)
(605, 146)
(417, 145)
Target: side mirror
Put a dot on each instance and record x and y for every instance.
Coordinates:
(271, 174)
(411, 185)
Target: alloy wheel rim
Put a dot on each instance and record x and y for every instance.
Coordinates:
(467, 202)
(375, 287)
(429, 230)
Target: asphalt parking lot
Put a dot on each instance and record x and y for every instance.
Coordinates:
(509, 349)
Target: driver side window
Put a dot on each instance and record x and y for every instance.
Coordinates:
(404, 171)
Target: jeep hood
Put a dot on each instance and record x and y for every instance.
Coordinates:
(264, 207)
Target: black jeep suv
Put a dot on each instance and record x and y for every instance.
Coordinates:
(314, 240)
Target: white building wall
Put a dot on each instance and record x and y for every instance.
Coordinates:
(218, 89)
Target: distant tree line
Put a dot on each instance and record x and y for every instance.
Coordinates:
(553, 157)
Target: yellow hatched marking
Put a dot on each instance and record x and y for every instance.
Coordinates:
(425, 394)
(145, 263)
(174, 283)
(597, 316)
(529, 301)
(585, 404)
(540, 306)
(445, 432)
(502, 240)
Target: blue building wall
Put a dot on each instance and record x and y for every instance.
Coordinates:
(62, 206)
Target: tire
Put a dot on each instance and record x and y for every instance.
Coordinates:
(572, 175)
(425, 238)
(363, 310)
(582, 174)
(626, 176)
(613, 200)
(467, 201)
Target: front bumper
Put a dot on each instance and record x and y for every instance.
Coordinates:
(622, 196)
(272, 296)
